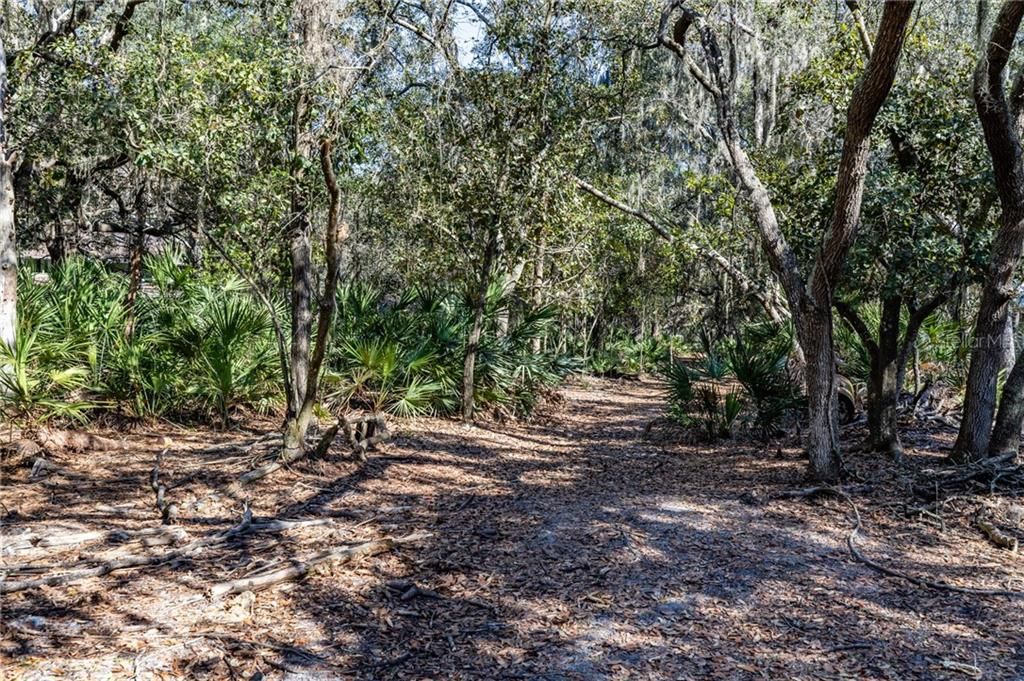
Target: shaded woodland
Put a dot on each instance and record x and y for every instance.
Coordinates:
(511, 339)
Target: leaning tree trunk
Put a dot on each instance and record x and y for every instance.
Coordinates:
(1000, 121)
(810, 300)
(8, 242)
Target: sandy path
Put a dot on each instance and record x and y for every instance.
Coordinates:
(568, 549)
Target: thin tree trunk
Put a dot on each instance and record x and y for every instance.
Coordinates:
(298, 417)
(503, 317)
(1000, 122)
(335, 237)
(8, 241)
(135, 263)
(476, 331)
(537, 343)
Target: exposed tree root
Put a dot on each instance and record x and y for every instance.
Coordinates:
(362, 433)
(244, 448)
(891, 572)
(271, 467)
(299, 569)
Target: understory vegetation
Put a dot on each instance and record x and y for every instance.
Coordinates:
(624, 339)
(301, 210)
(198, 346)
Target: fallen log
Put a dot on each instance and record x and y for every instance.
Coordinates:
(301, 569)
(75, 440)
(16, 454)
(997, 536)
(154, 536)
(131, 561)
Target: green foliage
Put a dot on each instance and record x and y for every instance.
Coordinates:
(759, 358)
(31, 385)
(196, 346)
(696, 400)
(714, 364)
(227, 337)
(625, 356)
(679, 381)
(405, 356)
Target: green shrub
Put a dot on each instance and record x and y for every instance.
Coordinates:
(758, 358)
(700, 404)
(406, 356)
(196, 345)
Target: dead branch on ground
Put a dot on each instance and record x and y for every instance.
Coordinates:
(878, 567)
(168, 511)
(299, 569)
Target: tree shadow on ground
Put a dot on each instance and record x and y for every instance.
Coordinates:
(574, 549)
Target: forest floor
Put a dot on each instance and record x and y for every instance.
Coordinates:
(569, 548)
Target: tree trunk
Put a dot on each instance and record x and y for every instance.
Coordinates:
(509, 285)
(1006, 435)
(537, 344)
(135, 263)
(886, 381)
(305, 366)
(1000, 122)
(8, 241)
(810, 300)
(476, 331)
(298, 419)
(824, 459)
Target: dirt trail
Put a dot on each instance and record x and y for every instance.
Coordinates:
(567, 549)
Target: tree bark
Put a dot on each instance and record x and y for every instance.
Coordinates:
(824, 456)
(1000, 121)
(8, 241)
(476, 330)
(810, 301)
(298, 419)
(889, 353)
(537, 286)
(135, 263)
(885, 384)
(1010, 418)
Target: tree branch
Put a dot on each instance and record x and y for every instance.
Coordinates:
(860, 327)
(624, 207)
